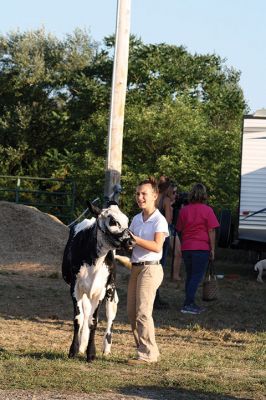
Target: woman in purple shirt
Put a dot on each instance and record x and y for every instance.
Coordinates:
(196, 225)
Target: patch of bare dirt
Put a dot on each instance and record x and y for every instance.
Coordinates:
(140, 394)
(29, 395)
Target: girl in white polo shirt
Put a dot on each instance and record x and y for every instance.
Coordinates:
(149, 229)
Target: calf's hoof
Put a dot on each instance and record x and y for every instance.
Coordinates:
(72, 352)
(91, 357)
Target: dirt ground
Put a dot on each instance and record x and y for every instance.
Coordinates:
(22, 395)
(139, 395)
(30, 237)
(31, 249)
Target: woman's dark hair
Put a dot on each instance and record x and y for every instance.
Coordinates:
(198, 194)
(152, 181)
(165, 183)
(163, 186)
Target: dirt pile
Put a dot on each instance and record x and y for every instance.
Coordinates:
(29, 236)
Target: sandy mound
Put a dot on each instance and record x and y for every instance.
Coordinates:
(29, 236)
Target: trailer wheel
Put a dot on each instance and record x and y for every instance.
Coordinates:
(224, 235)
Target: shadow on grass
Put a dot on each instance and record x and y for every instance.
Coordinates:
(174, 393)
(44, 355)
(240, 306)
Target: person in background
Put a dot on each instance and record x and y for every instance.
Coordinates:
(149, 229)
(196, 224)
(164, 204)
(175, 242)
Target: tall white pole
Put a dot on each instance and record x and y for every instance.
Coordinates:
(118, 98)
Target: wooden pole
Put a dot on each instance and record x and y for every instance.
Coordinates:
(118, 97)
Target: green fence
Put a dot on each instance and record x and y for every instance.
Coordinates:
(50, 195)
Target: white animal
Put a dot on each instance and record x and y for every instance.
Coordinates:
(260, 266)
(88, 267)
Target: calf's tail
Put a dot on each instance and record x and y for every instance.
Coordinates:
(125, 261)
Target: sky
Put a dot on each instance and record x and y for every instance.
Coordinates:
(233, 29)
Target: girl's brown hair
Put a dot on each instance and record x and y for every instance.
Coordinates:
(198, 194)
(152, 181)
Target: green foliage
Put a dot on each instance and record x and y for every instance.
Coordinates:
(183, 114)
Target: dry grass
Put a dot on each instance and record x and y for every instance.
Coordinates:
(219, 354)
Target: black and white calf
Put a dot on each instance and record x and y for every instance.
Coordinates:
(88, 266)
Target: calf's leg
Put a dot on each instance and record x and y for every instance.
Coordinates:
(91, 349)
(111, 310)
(78, 320)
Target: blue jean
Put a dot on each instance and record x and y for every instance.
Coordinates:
(196, 262)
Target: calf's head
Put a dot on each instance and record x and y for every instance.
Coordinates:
(114, 225)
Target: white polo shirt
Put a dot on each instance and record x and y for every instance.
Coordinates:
(146, 230)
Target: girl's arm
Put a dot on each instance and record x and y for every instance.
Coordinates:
(155, 245)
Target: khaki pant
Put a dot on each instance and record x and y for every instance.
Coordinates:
(143, 284)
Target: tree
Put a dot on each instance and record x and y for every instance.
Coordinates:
(183, 118)
(183, 114)
(36, 71)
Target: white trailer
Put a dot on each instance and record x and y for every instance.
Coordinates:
(252, 198)
(252, 205)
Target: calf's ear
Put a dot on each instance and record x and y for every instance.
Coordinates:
(112, 203)
(93, 209)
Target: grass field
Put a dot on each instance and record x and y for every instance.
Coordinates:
(219, 354)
